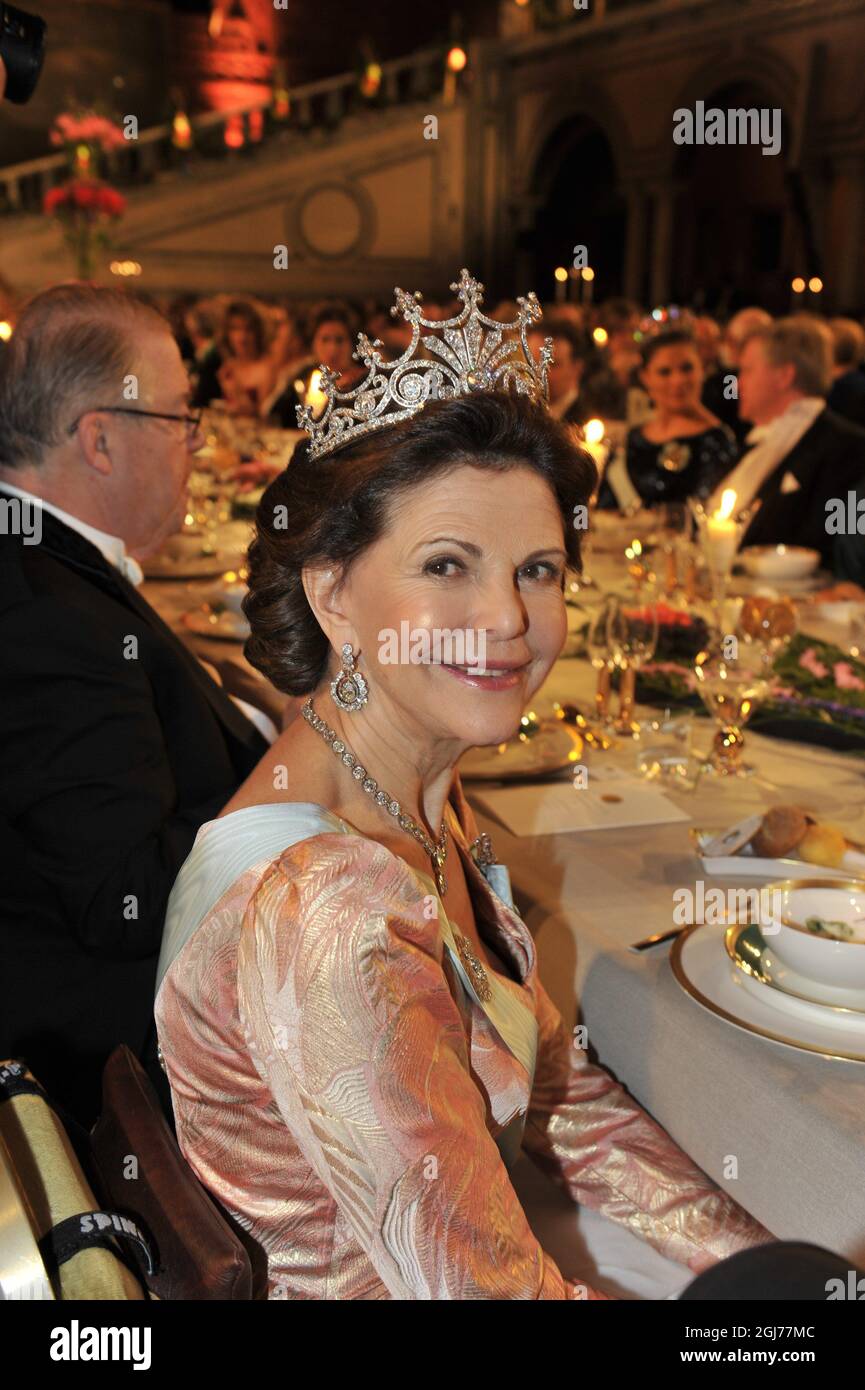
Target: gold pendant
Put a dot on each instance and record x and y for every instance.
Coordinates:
(475, 968)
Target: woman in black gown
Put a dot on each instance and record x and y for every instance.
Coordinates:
(682, 450)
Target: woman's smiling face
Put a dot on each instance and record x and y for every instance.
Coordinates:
(477, 554)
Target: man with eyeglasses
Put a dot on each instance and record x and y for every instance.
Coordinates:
(116, 743)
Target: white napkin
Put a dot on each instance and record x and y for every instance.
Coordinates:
(559, 807)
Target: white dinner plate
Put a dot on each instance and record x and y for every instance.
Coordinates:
(746, 584)
(801, 1002)
(554, 747)
(225, 624)
(189, 566)
(702, 967)
(247, 502)
(781, 977)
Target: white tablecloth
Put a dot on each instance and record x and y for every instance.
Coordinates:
(795, 1121)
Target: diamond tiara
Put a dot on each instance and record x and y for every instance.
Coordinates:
(474, 353)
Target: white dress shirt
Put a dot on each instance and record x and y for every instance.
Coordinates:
(770, 446)
(113, 549)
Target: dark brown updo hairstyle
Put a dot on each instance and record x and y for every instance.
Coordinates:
(669, 337)
(336, 507)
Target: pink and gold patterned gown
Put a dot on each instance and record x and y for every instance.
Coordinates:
(344, 1092)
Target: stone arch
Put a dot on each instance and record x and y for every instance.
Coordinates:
(575, 199)
(757, 67)
(737, 227)
(589, 103)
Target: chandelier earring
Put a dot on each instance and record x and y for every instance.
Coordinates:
(349, 690)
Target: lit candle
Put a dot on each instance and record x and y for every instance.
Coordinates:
(316, 399)
(594, 432)
(722, 534)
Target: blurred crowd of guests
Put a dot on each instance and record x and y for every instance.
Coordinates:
(773, 407)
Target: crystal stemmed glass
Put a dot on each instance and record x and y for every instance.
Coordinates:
(769, 624)
(632, 635)
(672, 534)
(731, 689)
(601, 656)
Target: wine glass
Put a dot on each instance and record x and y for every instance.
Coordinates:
(731, 689)
(632, 635)
(672, 534)
(768, 623)
(601, 656)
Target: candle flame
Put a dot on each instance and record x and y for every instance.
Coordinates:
(594, 431)
(728, 503)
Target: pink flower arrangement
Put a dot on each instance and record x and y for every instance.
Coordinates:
(87, 128)
(684, 673)
(846, 678)
(810, 662)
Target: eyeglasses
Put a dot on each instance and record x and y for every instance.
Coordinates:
(192, 421)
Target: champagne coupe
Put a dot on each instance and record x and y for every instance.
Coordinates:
(731, 689)
(632, 636)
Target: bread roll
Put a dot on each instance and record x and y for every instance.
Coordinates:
(783, 828)
(823, 844)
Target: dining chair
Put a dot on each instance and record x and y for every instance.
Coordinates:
(200, 1252)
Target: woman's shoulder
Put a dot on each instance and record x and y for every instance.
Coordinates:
(340, 917)
(330, 882)
(339, 882)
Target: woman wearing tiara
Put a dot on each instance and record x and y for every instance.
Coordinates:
(349, 1009)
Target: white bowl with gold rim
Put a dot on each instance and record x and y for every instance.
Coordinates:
(817, 928)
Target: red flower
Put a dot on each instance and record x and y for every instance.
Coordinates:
(84, 195)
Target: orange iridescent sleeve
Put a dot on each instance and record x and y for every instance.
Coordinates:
(351, 1023)
(593, 1139)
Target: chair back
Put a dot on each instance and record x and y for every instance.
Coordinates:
(201, 1253)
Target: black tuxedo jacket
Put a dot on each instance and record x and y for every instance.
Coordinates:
(827, 461)
(116, 747)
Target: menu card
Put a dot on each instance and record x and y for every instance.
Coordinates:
(610, 800)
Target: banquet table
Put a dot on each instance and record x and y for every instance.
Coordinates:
(794, 1121)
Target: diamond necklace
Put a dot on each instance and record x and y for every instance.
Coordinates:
(436, 852)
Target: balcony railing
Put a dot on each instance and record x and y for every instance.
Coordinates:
(314, 107)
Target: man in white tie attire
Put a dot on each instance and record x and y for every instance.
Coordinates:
(800, 455)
